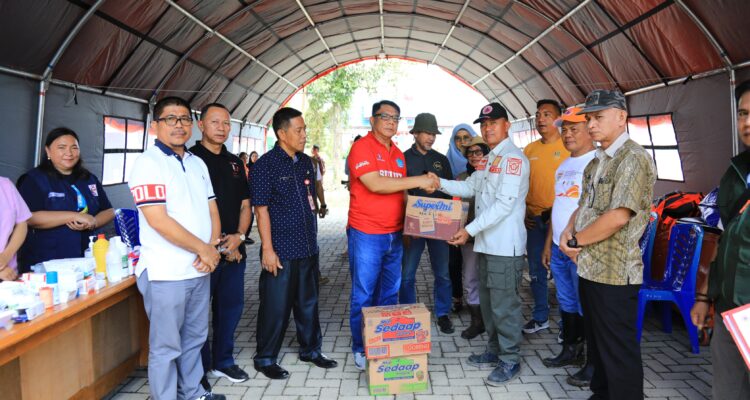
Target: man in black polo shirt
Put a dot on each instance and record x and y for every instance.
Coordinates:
(420, 159)
(283, 186)
(229, 181)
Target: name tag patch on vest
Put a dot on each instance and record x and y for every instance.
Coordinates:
(55, 194)
(495, 167)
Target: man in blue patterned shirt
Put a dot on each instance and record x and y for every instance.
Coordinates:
(283, 186)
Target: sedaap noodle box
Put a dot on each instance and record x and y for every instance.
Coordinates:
(392, 331)
(434, 218)
(407, 374)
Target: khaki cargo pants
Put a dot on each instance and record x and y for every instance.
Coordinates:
(499, 279)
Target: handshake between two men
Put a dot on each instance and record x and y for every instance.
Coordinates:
(430, 183)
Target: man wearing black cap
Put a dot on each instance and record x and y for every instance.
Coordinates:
(602, 239)
(421, 158)
(499, 187)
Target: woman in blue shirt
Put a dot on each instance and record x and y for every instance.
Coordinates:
(67, 202)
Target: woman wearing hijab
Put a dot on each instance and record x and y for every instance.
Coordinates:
(462, 134)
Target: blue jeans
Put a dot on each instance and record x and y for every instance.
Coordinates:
(438, 250)
(537, 272)
(375, 268)
(227, 303)
(565, 272)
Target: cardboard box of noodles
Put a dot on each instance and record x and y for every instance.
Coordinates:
(406, 374)
(392, 331)
(434, 218)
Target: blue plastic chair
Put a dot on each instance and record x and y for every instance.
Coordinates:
(683, 256)
(646, 243)
(126, 226)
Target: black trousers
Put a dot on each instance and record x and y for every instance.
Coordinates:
(610, 314)
(455, 267)
(293, 289)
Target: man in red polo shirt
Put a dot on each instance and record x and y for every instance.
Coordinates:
(376, 216)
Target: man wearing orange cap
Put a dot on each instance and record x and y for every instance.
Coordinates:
(568, 180)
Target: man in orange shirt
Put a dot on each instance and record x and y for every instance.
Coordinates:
(545, 155)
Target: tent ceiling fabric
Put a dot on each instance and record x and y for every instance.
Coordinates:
(152, 48)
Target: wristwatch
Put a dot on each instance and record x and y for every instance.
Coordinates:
(242, 236)
(573, 243)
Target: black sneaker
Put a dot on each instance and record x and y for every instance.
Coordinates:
(233, 373)
(212, 396)
(445, 324)
(535, 326)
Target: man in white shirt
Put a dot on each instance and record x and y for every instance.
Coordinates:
(179, 226)
(568, 181)
(499, 186)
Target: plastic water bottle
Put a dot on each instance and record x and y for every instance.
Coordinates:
(101, 246)
(114, 264)
(123, 249)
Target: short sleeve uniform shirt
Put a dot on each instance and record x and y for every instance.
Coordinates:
(370, 212)
(286, 185)
(182, 184)
(623, 176)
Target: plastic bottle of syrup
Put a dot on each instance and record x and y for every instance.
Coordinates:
(101, 246)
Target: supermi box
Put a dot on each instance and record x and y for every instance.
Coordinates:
(434, 218)
(392, 331)
(406, 374)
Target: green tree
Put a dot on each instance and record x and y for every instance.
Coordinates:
(328, 99)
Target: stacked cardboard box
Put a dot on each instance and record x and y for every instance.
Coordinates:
(397, 342)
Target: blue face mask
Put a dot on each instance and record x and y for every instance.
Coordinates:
(82, 206)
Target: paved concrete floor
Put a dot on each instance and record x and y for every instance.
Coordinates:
(671, 371)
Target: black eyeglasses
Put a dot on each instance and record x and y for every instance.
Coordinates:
(470, 153)
(171, 120)
(462, 138)
(387, 117)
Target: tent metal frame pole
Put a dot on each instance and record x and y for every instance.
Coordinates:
(227, 41)
(450, 32)
(382, 27)
(71, 85)
(539, 37)
(317, 31)
(47, 75)
(729, 68)
(706, 74)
